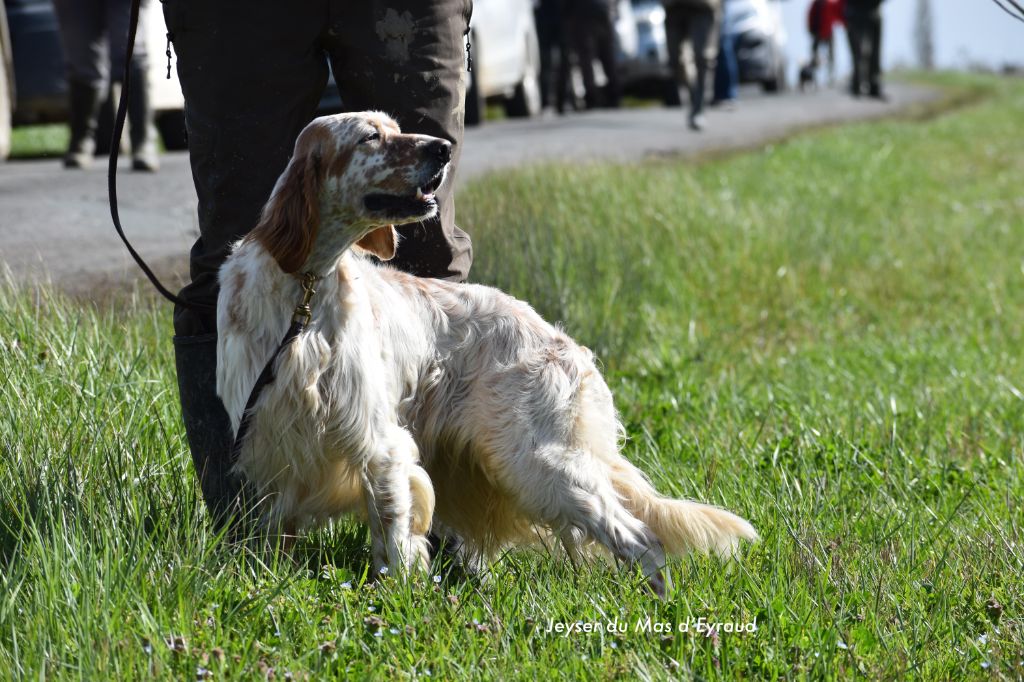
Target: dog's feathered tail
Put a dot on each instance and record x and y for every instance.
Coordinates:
(681, 525)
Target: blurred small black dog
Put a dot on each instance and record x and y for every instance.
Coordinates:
(807, 81)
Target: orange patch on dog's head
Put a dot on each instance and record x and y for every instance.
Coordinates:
(290, 221)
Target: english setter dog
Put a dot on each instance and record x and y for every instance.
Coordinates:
(419, 402)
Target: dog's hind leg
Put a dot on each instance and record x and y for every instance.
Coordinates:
(399, 505)
(568, 491)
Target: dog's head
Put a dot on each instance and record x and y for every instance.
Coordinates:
(351, 179)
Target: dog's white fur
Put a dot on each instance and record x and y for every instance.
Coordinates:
(420, 401)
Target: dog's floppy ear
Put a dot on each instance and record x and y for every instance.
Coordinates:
(291, 218)
(382, 242)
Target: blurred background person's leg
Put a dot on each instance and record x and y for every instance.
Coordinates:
(141, 131)
(855, 31)
(547, 15)
(582, 36)
(604, 35)
(87, 65)
(830, 46)
(873, 29)
(703, 37)
(565, 88)
(676, 30)
(727, 70)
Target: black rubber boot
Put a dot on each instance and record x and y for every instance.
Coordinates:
(84, 100)
(140, 122)
(208, 429)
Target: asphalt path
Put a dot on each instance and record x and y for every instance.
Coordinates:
(56, 223)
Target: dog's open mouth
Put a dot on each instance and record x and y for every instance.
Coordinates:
(421, 202)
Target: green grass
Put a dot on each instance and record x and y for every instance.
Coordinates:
(823, 336)
(30, 142)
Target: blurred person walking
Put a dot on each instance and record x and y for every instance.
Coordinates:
(589, 26)
(822, 18)
(94, 35)
(694, 22)
(864, 29)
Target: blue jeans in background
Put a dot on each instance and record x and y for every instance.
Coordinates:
(727, 71)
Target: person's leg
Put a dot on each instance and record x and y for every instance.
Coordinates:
(140, 115)
(854, 32)
(606, 53)
(831, 47)
(406, 58)
(675, 31)
(815, 48)
(252, 73)
(702, 28)
(545, 18)
(141, 129)
(582, 37)
(726, 70)
(721, 77)
(116, 20)
(732, 66)
(564, 96)
(874, 38)
(86, 65)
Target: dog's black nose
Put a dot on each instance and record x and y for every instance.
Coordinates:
(440, 150)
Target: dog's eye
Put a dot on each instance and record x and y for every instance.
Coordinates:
(372, 137)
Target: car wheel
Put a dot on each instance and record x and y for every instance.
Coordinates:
(475, 105)
(171, 125)
(525, 99)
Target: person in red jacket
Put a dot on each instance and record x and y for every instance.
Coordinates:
(822, 18)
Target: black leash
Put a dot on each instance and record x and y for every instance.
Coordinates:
(300, 320)
(115, 148)
(303, 313)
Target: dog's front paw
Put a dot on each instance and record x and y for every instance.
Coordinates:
(410, 558)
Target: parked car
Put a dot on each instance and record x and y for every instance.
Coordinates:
(760, 41)
(38, 62)
(647, 72)
(758, 34)
(627, 35)
(505, 59)
(38, 70)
